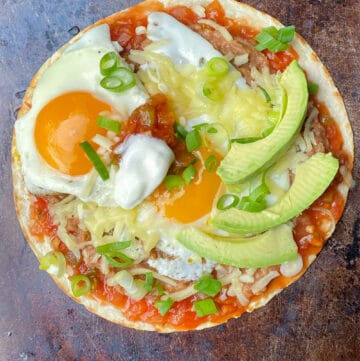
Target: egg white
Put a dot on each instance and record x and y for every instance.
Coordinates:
(77, 69)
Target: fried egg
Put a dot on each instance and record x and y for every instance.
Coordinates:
(66, 103)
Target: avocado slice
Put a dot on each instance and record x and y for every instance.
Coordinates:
(311, 180)
(244, 160)
(269, 248)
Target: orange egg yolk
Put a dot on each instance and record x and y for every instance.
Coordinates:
(62, 125)
(194, 200)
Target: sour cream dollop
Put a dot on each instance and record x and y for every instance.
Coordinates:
(144, 163)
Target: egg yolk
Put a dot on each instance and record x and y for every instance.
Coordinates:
(62, 125)
(194, 200)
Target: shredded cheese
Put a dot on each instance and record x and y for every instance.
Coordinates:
(185, 293)
(241, 59)
(260, 284)
(141, 271)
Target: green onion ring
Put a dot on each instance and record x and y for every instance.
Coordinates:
(118, 259)
(112, 247)
(223, 202)
(80, 285)
(109, 63)
(211, 163)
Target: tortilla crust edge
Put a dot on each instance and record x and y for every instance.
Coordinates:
(308, 60)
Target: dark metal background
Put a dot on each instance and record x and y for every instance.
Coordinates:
(315, 319)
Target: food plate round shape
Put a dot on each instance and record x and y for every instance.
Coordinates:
(179, 163)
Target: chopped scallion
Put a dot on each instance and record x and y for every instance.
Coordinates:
(193, 140)
(245, 140)
(95, 160)
(109, 63)
(164, 306)
(80, 285)
(266, 132)
(160, 289)
(227, 201)
(211, 163)
(149, 280)
(173, 181)
(189, 173)
(249, 205)
(205, 307)
(212, 130)
(180, 131)
(211, 91)
(217, 66)
(200, 126)
(286, 34)
(119, 80)
(266, 94)
(275, 40)
(208, 285)
(53, 262)
(112, 247)
(118, 259)
(109, 124)
(313, 88)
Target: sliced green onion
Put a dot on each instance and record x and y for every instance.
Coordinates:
(189, 173)
(120, 80)
(193, 140)
(273, 39)
(109, 63)
(200, 126)
(173, 181)
(227, 201)
(272, 31)
(95, 160)
(313, 88)
(212, 130)
(109, 124)
(211, 91)
(259, 192)
(160, 289)
(205, 307)
(266, 132)
(266, 94)
(80, 285)
(245, 140)
(285, 35)
(180, 131)
(211, 163)
(249, 205)
(208, 285)
(164, 306)
(54, 263)
(118, 259)
(112, 247)
(217, 66)
(149, 280)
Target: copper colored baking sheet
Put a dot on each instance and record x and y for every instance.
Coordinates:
(315, 319)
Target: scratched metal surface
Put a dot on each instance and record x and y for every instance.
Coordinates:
(315, 319)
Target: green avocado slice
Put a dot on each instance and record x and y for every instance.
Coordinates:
(267, 249)
(244, 160)
(311, 180)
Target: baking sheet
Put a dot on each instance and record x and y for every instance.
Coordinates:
(317, 318)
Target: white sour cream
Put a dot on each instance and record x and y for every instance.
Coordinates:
(144, 163)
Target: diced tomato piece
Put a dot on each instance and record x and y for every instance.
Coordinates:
(183, 14)
(214, 11)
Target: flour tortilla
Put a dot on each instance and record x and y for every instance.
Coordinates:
(316, 72)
